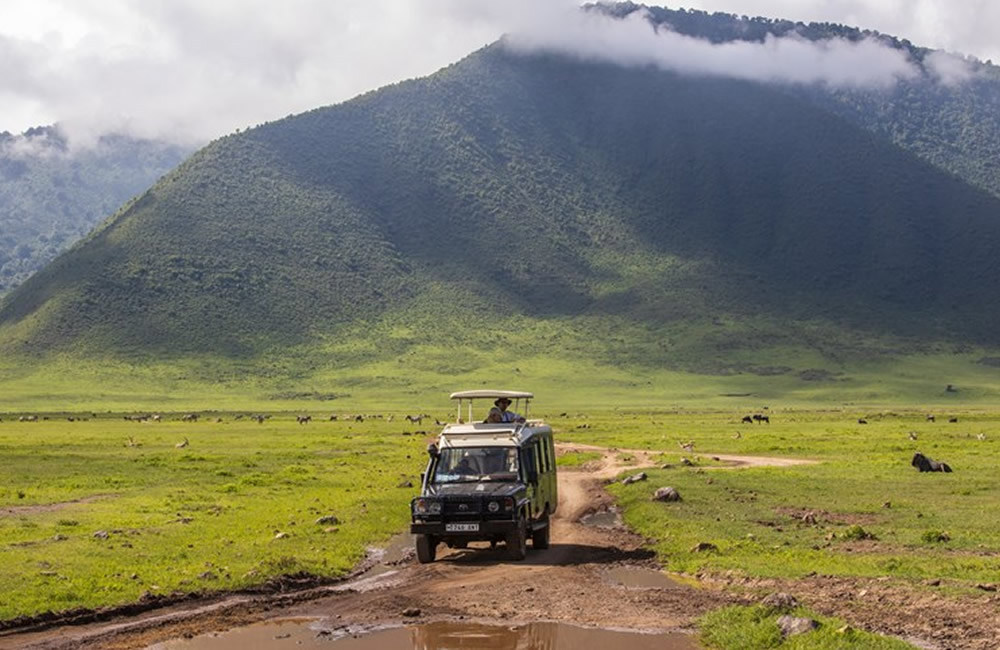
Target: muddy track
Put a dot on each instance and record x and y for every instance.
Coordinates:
(569, 582)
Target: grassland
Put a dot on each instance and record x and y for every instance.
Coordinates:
(102, 511)
(872, 514)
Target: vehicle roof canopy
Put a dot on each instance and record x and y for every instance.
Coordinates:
(492, 394)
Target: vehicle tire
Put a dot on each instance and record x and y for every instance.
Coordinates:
(540, 536)
(517, 541)
(426, 548)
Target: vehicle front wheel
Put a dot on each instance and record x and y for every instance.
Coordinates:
(517, 541)
(426, 548)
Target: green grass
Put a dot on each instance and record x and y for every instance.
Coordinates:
(755, 628)
(206, 516)
(203, 517)
(922, 525)
(575, 459)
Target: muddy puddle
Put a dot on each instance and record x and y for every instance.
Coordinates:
(632, 577)
(610, 518)
(313, 633)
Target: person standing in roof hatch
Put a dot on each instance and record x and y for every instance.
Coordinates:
(507, 416)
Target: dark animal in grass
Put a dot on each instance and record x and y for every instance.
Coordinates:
(762, 418)
(930, 418)
(747, 419)
(303, 419)
(862, 421)
(925, 464)
(953, 420)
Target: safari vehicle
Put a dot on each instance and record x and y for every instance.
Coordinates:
(492, 482)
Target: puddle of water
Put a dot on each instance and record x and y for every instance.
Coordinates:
(611, 518)
(433, 636)
(639, 578)
(399, 549)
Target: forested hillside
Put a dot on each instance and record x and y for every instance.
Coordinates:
(951, 119)
(575, 193)
(51, 196)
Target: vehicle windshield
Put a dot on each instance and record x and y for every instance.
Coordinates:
(470, 464)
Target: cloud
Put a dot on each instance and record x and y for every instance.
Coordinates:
(949, 69)
(189, 70)
(633, 41)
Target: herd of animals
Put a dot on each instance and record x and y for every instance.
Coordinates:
(920, 461)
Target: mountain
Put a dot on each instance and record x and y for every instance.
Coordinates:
(949, 115)
(51, 196)
(535, 207)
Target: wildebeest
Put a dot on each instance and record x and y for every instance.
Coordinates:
(762, 418)
(925, 464)
(953, 420)
(930, 417)
(415, 419)
(303, 419)
(747, 420)
(862, 421)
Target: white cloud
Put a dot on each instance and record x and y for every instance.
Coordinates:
(193, 70)
(633, 41)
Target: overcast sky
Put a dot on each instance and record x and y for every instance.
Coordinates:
(192, 69)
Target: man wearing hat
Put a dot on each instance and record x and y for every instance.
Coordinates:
(507, 416)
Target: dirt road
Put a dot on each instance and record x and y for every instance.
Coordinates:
(574, 581)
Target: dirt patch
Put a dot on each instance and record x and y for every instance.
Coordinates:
(812, 516)
(15, 511)
(567, 583)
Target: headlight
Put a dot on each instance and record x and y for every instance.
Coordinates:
(493, 506)
(426, 507)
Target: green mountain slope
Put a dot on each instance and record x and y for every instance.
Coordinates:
(50, 196)
(954, 125)
(580, 215)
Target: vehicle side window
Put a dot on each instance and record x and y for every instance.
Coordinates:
(529, 459)
(546, 459)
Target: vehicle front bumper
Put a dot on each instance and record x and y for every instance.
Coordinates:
(487, 529)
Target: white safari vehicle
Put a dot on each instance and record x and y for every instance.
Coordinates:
(492, 482)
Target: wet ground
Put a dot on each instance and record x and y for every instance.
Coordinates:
(442, 635)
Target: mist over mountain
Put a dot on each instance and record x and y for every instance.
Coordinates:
(51, 195)
(684, 220)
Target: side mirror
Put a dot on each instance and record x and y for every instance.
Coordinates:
(432, 450)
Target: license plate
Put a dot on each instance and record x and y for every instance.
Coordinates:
(461, 528)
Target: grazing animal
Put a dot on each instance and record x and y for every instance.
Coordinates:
(746, 420)
(303, 419)
(925, 464)
(913, 435)
(190, 417)
(862, 421)
(687, 446)
(762, 418)
(333, 418)
(930, 418)
(182, 445)
(953, 420)
(359, 418)
(415, 419)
